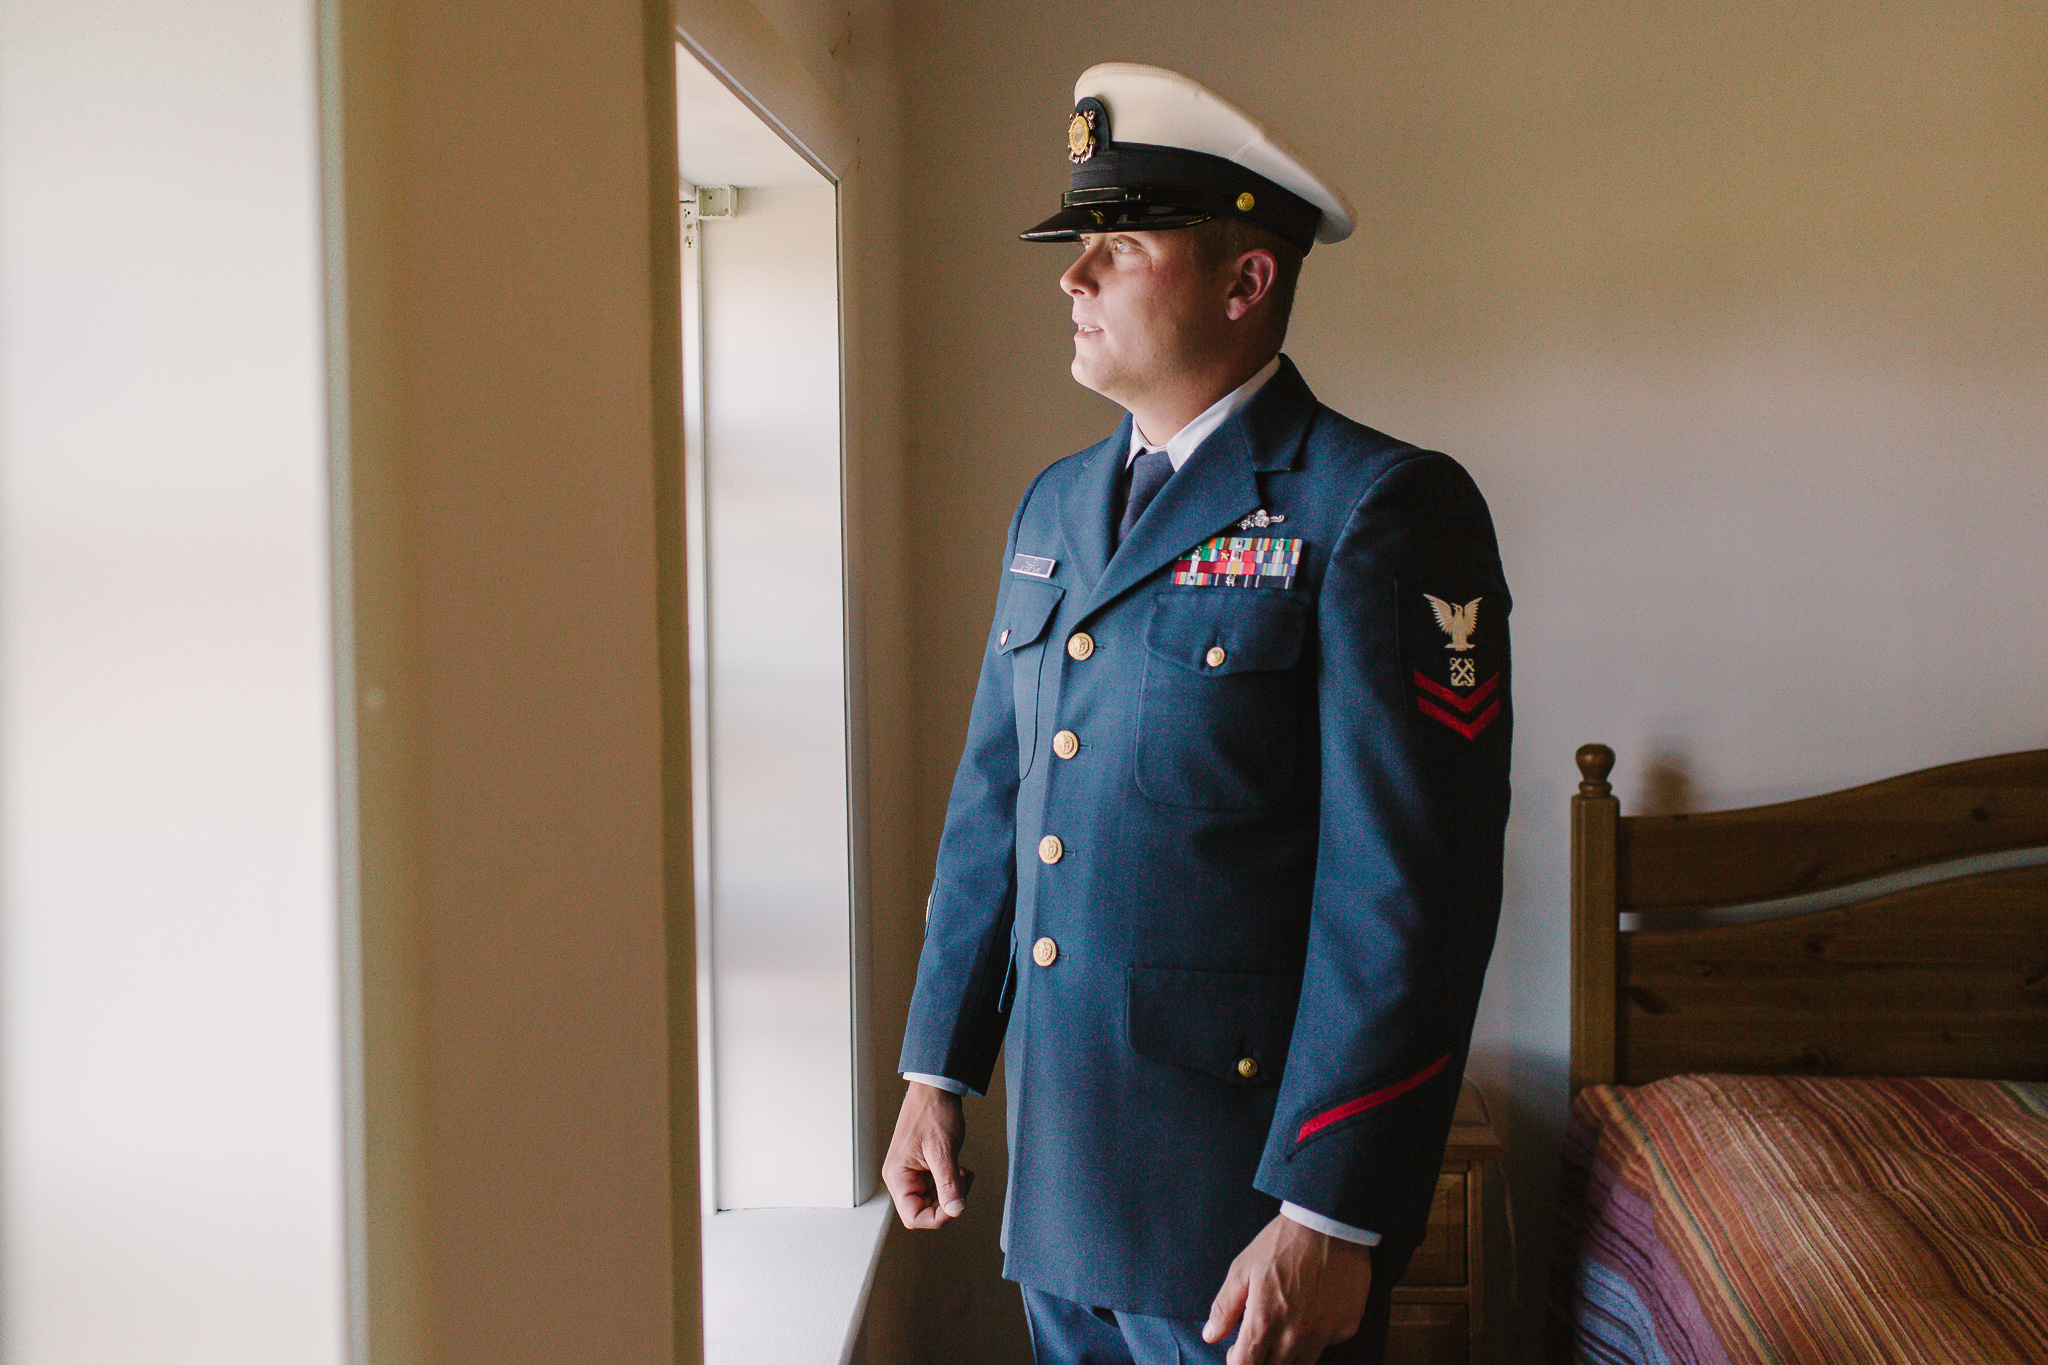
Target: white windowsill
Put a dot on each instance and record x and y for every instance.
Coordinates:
(789, 1286)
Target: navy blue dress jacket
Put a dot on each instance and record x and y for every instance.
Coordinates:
(1235, 941)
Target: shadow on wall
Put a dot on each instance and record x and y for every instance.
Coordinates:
(1668, 787)
(1533, 1137)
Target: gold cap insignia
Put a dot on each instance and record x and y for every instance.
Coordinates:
(1245, 202)
(1081, 136)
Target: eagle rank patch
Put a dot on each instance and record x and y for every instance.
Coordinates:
(1455, 656)
(1240, 562)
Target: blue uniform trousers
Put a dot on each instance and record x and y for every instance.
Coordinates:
(1067, 1333)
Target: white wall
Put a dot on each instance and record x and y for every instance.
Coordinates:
(170, 1097)
(1733, 310)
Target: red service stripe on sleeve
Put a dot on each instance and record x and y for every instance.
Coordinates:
(1465, 704)
(1469, 731)
(1372, 1101)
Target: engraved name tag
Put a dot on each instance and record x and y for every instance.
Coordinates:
(1035, 565)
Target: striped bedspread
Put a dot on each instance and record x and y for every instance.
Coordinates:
(1769, 1220)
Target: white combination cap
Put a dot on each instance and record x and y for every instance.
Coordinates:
(1153, 149)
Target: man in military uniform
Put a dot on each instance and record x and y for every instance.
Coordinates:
(1222, 862)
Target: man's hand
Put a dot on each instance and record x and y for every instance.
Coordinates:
(1296, 1291)
(922, 1169)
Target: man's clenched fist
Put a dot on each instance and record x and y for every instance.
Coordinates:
(922, 1169)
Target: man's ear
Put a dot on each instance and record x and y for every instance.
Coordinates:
(1251, 283)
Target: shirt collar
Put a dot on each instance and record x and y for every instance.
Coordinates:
(1215, 415)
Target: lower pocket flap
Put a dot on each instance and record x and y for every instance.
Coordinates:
(1230, 1025)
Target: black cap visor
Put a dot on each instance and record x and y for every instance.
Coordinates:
(1133, 187)
(1138, 215)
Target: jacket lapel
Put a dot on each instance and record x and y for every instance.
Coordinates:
(1216, 487)
(1089, 502)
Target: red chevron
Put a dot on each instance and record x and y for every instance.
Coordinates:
(1465, 704)
(1372, 1101)
(1469, 729)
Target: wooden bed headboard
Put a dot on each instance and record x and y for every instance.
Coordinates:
(1898, 928)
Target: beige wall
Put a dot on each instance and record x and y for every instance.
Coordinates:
(1732, 309)
(506, 212)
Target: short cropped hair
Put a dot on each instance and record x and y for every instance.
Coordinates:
(1224, 238)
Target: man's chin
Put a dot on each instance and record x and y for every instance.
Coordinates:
(1088, 376)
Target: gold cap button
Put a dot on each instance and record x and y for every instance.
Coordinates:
(1045, 952)
(1080, 645)
(1245, 202)
(1066, 744)
(1050, 849)
(1215, 656)
(1247, 1067)
(1004, 638)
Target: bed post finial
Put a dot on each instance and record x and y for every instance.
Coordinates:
(1596, 1004)
(1595, 762)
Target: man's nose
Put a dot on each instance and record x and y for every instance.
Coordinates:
(1079, 278)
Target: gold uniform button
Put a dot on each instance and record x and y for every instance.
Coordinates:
(1045, 952)
(1215, 656)
(1245, 202)
(1004, 638)
(1248, 1067)
(1050, 849)
(1066, 744)
(1080, 645)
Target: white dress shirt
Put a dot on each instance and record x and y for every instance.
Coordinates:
(1178, 448)
(1215, 415)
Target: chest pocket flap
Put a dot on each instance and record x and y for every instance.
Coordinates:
(1216, 631)
(1027, 608)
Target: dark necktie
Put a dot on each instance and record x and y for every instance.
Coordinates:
(1148, 474)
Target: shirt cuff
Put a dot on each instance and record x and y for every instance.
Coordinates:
(1309, 1218)
(945, 1083)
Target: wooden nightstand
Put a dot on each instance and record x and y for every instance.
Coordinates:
(1440, 1307)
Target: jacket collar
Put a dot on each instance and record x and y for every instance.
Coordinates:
(1214, 488)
